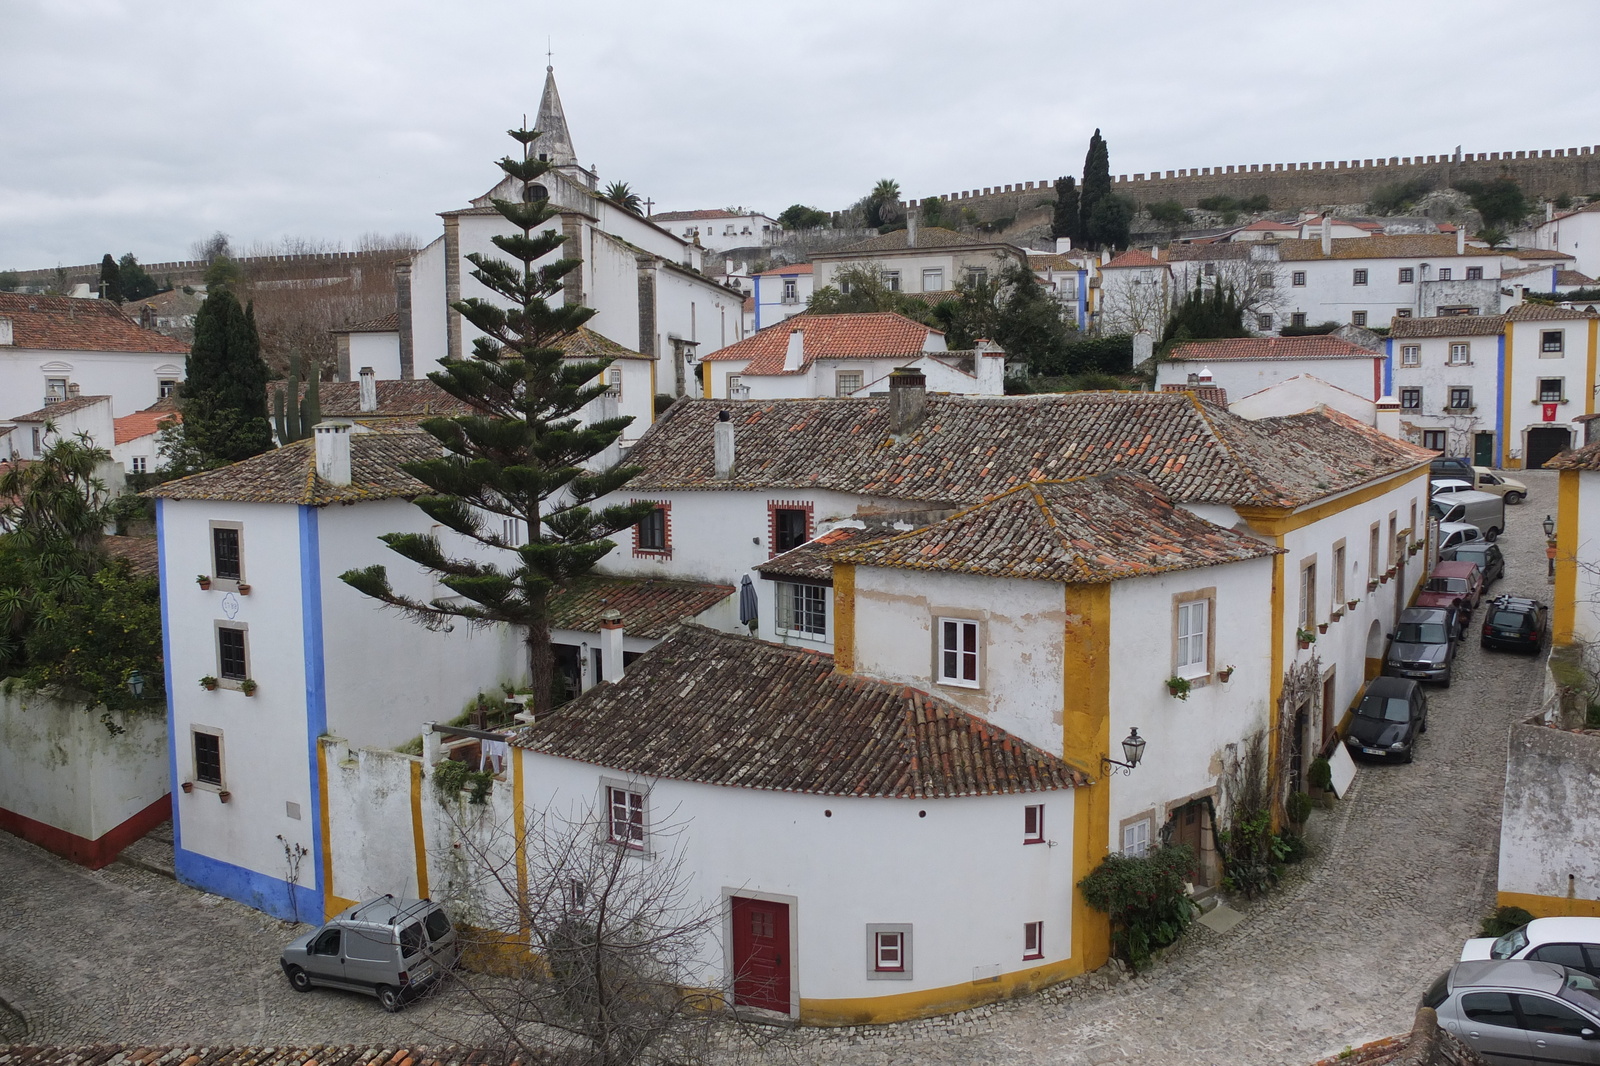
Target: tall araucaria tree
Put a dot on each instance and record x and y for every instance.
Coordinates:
(523, 452)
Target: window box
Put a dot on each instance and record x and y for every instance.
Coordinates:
(248, 687)
(1178, 687)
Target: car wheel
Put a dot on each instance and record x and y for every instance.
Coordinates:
(1445, 681)
(1423, 728)
(1492, 536)
(389, 998)
(299, 980)
(1513, 497)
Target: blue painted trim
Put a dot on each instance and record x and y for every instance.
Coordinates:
(757, 295)
(316, 677)
(166, 667)
(1388, 367)
(258, 890)
(1500, 399)
(1083, 299)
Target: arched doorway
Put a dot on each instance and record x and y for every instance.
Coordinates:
(1374, 650)
(1545, 443)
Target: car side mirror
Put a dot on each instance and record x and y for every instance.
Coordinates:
(1388, 636)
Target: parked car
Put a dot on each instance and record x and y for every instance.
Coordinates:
(1392, 713)
(1482, 509)
(1573, 942)
(1423, 645)
(1449, 484)
(394, 949)
(1451, 466)
(1520, 1011)
(1454, 533)
(1488, 557)
(1516, 624)
(1511, 489)
(1453, 584)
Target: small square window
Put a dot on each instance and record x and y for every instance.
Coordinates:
(888, 952)
(650, 535)
(1297, 319)
(933, 280)
(166, 387)
(1266, 279)
(802, 609)
(625, 817)
(1435, 439)
(977, 276)
(1263, 322)
(227, 563)
(141, 464)
(1358, 318)
(1136, 839)
(1358, 277)
(891, 280)
(614, 384)
(1033, 824)
(233, 659)
(1033, 940)
(791, 527)
(1445, 274)
(1460, 399)
(846, 381)
(1460, 354)
(1408, 275)
(1411, 399)
(1552, 340)
(1402, 312)
(1411, 355)
(1474, 273)
(1298, 278)
(891, 952)
(1550, 390)
(791, 290)
(958, 652)
(208, 758)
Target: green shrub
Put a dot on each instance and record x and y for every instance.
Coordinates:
(1145, 898)
(1503, 920)
(451, 777)
(1248, 861)
(1320, 774)
(1289, 847)
(664, 400)
(1299, 807)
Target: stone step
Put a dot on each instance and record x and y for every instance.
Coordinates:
(152, 852)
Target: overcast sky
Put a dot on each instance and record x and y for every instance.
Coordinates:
(145, 126)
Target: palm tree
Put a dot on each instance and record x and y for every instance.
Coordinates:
(883, 205)
(622, 194)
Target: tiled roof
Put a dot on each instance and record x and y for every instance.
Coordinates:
(1447, 326)
(968, 448)
(749, 714)
(1088, 531)
(64, 323)
(876, 334)
(1381, 246)
(1133, 257)
(289, 474)
(64, 407)
(1573, 277)
(214, 1055)
(389, 323)
(1584, 458)
(142, 424)
(1055, 260)
(587, 344)
(1209, 393)
(1533, 253)
(692, 216)
(413, 398)
(649, 607)
(1531, 312)
(797, 268)
(140, 552)
(810, 561)
(1314, 347)
(896, 241)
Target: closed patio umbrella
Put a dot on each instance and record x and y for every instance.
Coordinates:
(747, 603)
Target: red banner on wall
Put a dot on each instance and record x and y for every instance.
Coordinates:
(1549, 412)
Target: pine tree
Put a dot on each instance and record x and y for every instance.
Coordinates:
(521, 453)
(1066, 221)
(224, 394)
(110, 279)
(1096, 186)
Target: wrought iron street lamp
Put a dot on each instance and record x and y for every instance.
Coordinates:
(1132, 750)
(136, 684)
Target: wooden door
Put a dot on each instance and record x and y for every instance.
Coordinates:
(761, 954)
(1483, 449)
(1190, 825)
(1329, 717)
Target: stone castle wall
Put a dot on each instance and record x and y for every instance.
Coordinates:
(1542, 174)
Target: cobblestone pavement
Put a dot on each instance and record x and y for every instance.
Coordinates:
(1403, 870)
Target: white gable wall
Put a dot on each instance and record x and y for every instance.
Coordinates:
(131, 379)
(1242, 377)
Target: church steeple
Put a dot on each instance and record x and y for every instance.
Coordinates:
(555, 142)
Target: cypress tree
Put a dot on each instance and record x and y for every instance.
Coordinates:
(1066, 221)
(224, 394)
(110, 279)
(1096, 186)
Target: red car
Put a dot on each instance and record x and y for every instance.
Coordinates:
(1453, 584)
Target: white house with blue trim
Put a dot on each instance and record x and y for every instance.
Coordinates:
(266, 650)
(780, 293)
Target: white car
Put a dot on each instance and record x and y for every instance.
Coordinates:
(1513, 490)
(1573, 942)
(1454, 533)
(1450, 484)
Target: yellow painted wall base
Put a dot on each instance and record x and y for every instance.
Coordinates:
(1374, 667)
(1551, 906)
(880, 1010)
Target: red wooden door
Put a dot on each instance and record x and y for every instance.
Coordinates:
(761, 954)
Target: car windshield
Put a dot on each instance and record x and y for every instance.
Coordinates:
(1447, 584)
(1472, 555)
(411, 941)
(1384, 709)
(1510, 944)
(1420, 633)
(1508, 620)
(1582, 990)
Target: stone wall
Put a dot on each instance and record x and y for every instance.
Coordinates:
(1542, 174)
(1550, 826)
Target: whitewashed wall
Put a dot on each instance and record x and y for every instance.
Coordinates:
(131, 379)
(380, 351)
(428, 340)
(1549, 828)
(1242, 377)
(1302, 393)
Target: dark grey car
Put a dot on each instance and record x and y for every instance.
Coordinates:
(390, 948)
(1519, 1011)
(1392, 713)
(1423, 645)
(1486, 555)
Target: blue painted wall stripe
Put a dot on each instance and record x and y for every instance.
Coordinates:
(1500, 400)
(166, 668)
(316, 680)
(1388, 367)
(253, 889)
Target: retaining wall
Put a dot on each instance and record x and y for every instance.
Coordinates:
(1550, 825)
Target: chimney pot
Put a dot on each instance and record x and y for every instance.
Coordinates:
(908, 399)
(611, 645)
(333, 452)
(795, 356)
(369, 389)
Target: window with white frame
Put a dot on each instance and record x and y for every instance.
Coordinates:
(1408, 275)
(888, 952)
(1298, 278)
(1551, 389)
(1358, 276)
(1435, 439)
(1033, 940)
(1358, 318)
(1460, 398)
(1136, 838)
(1411, 355)
(802, 609)
(933, 280)
(55, 390)
(791, 291)
(166, 387)
(141, 464)
(1411, 398)
(207, 757)
(1552, 341)
(846, 381)
(511, 531)
(1445, 274)
(891, 280)
(977, 276)
(1308, 593)
(736, 389)
(958, 652)
(1193, 626)
(614, 383)
(625, 816)
(1402, 312)
(1338, 574)
(1460, 353)
(1033, 823)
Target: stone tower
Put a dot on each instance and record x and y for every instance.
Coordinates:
(555, 142)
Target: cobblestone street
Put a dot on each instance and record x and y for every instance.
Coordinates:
(1402, 872)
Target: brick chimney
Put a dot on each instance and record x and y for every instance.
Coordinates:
(908, 399)
(369, 389)
(722, 446)
(333, 452)
(795, 356)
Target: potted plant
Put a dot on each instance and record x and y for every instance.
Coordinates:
(1225, 674)
(1372, 585)
(1319, 775)
(208, 683)
(203, 580)
(1353, 604)
(1179, 686)
(1383, 578)
(1392, 571)
(224, 795)
(1336, 614)
(248, 687)
(244, 590)
(187, 786)
(1305, 637)
(1322, 627)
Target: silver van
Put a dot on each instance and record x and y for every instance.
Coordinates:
(390, 948)
(1482, 509)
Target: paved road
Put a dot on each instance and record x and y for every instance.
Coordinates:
(1406, 867)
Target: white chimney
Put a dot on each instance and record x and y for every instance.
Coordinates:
(722, 447)
(1063, 245)
(1461, 240)
(333, 452)
(1386, 416)
(1327, 236)
(1155, 251)
(911, 228)
(6, 336)
(1204, 377)
(611, 645)
(795, 357)
(1549, 210)
(369, 389)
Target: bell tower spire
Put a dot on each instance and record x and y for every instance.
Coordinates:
(555, 142)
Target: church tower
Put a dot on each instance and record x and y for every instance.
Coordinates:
(555, 141)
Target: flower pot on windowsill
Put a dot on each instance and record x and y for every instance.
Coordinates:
(204, 582)
(1392, 571)
(1353, 604)
(248, 687)
(224, 795)
(187, 786)
(1305, 638)
(1322, 627)
(1178, 687)
(1383, 578)
(208, 683)
(244, 590)
(1336, 614)
(1372, 585)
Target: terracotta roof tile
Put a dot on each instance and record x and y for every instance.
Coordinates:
(587, 344)
(65, 323)
(142, 424)
(896, 241)
(1584, 458)
(966, 449)
(140, 552)
(1533, 253)
(1530, 312)
(750, 714)
(1133, 257)
(811, 562)
(693, 216)
(1209, 393)
(389, 323)
(1448, 326)
(1314, 347)
(288, 474)
(1383, 246)
(797, 268)
(1573, 277)
(649, 607)
(412, 398)
(64, 407)
(878, 334)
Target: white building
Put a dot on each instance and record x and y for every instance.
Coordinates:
(1065, 275)
(137, 438)
(780, 293)
(720, 230)
(1135, 293)
(1243, 366)
(1576, 233)
(37, 430)
(1304, 392)
(53, 348)
(921, 259)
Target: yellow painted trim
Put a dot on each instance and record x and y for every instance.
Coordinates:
(417, 843)
(844, 618)
(1565, 609)
(1085, 737)
(1276, 521)
(1279, 639)
(1506, 418)
(520, 835)
(1550, 906)
(1594, 353)
(880, 1010)
(328, 898)
(705, 379)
